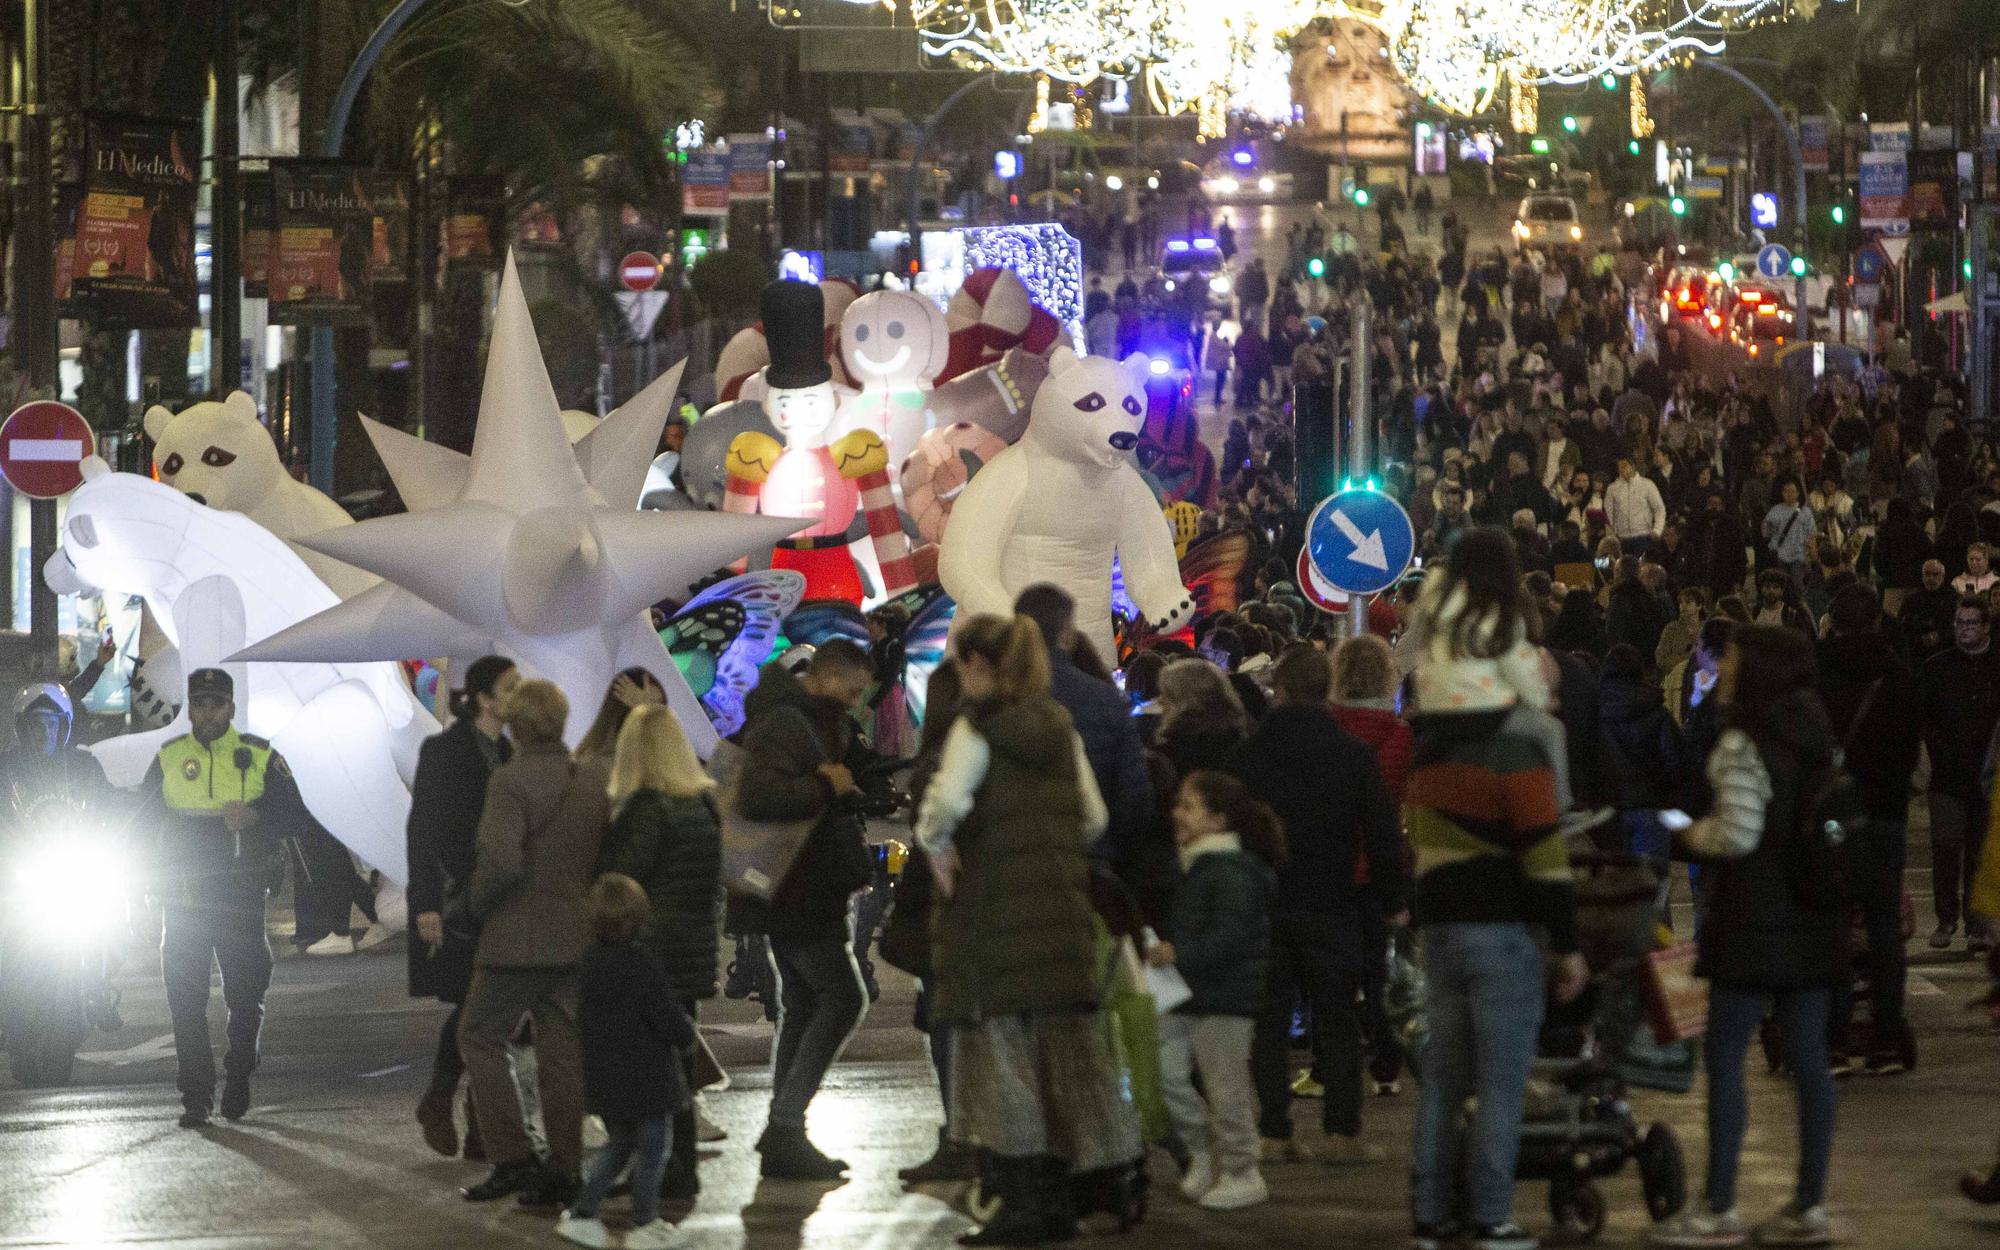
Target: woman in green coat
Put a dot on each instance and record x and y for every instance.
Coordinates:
(1007, 822)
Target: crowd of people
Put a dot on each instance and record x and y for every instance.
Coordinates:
(1650, 613)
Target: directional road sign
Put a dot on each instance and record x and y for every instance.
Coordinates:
(1870, 262)
(1316, 589)
(42, 448)
(1360, 541)
(1774, 260)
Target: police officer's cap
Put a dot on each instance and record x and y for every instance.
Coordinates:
(212, 682)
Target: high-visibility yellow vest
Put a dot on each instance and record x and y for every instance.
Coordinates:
(202, 779)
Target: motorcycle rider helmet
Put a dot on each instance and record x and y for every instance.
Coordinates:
(49, 697)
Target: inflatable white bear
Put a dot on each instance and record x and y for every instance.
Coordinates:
(1060, 504)
(217, 582)
(222, 455)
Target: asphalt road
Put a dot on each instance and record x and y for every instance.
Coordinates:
(330, 1157)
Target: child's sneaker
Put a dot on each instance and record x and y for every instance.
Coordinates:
(1795, 1226)
(1234, 1193)
(1304, 1086)
(1697, 1228)
(655, 1236)
(1199, 1178)
(584, 1231)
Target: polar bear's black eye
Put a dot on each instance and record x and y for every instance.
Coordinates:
(171, 465)
(1090, 403)
(216, 458)
(1131, 405)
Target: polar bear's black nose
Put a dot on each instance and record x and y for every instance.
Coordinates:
(1124, 440)
(197, 498)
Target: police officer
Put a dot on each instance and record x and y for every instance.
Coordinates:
(226, 801)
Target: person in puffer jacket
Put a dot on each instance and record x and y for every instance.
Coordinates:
(1220, 941)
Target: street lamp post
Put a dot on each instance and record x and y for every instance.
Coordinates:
(1360, 426)
(1798, 170)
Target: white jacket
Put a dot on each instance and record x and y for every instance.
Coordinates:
(1634, 508)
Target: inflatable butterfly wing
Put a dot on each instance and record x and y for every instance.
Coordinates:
(923, 648)
(725, 632)
(1212, 570)
(817, 621)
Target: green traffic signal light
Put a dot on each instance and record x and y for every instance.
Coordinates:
(1361, 196)
(1316, 267)
(1965, 267)
(1726, 271)
(1839, 214)
(1798, 266)
(1678, 206)
(1539, 146)
(1569, 122)
(1632, 146)
(1609, 82)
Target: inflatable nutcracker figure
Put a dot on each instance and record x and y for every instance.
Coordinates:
(829, 482)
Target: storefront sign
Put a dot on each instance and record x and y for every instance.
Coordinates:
(705, 184)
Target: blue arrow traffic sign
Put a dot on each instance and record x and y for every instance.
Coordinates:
(1869, 262)
(1360, 541)
(1774, 260)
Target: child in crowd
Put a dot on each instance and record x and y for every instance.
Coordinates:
(633, 1034)
(1219, 940)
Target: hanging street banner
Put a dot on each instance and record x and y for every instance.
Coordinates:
(1813, 143)
(475, 206)
(749, 167)
(260, 239)
(1933, 188)
(325, 238)
(1885, 192)
(705, 184)
(389, 256)
(133, 267)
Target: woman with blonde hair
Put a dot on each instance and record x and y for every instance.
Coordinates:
(1007, 823)
(666, 835)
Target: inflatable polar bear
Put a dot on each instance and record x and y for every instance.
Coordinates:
(1061, 503)
(218, 582)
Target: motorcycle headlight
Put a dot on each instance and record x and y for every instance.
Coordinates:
(72, 885)
(1219, 284)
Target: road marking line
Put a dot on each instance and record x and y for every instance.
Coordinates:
(386, 1071)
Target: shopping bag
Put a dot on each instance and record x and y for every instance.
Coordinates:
(1676, 1000)
(1168, 987)
(756, 854)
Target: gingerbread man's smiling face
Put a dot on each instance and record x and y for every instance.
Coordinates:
(894, 340)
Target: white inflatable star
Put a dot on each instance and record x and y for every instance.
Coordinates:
(527, 547)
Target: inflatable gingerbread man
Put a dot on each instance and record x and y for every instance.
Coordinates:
(813, 475)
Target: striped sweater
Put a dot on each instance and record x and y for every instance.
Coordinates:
(1480, 809)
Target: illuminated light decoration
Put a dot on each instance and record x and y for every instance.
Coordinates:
(1637, 115)
(1077, 41)
(216, 581)
(524, 548)
(1524, 106)
(1048, 260)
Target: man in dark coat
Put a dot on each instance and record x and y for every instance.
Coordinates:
(1961, 701)
(798, 763)
(1926, 613)
(445, 804)
(1875, 704)
(1327, 788)
(1136, 845)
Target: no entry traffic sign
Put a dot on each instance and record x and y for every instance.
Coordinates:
(42, 448)
(1317, 590)
(639, 271)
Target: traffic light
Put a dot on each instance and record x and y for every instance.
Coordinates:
(1798, 266)
(1726, 271)
(1316, 267)
(1609, 82)
(1539, 146)
(1361, 197)
(1678, 206)
(1569, 123)
(1632, 146)
(1839, 214)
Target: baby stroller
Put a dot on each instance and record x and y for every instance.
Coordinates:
(1578, 1126)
